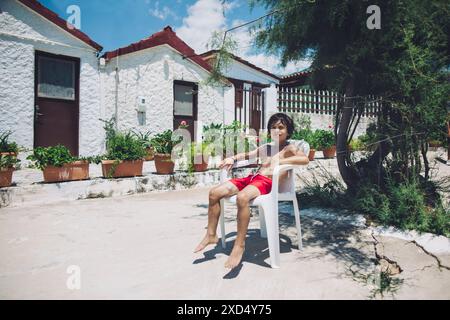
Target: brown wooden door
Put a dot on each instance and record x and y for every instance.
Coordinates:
(185, 105)
(256, 109)
(56, 114)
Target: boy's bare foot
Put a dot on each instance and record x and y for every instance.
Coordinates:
(235, 257)
(207, 240)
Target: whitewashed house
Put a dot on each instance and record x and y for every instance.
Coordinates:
(55, 86)
(157, 83)
(49, 79)
(56, 83)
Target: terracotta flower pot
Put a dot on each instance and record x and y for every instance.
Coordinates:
(13, 154)
(78, 170)
(122, 169)
(150, 154)
(329, 152)
(164, 163)
(6, 177)
(200, 164)
(312, 153)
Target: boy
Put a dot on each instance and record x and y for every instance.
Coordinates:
(276, 153)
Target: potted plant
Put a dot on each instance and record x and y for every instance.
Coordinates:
(163, 145)
(146, 142)
(309, 136)
(124, 156)
(58, 165)
(326, 143)
(8, 163)
(6, 147)
(199, 160)
(313, 145)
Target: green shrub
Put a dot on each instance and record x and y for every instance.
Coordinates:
(110, 129)
(356, 144)
(440, 221)
(307, 135)
(5, 145)
(370, 139)
(162, 142)
(235, 126)
(9, 162)
(302, 134)
(144, 137)
(125, 146)
(56, 156)
(406, 206)
(324, 139)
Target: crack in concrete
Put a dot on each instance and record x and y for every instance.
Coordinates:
(425, 267)
(440, 265)
(381, 257)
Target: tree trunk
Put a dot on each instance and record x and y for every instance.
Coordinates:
(343, 121)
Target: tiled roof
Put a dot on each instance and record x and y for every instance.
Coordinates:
(166, 36)
(211, 53)
(296, 75)
(60, 22)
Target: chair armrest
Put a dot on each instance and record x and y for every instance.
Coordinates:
(276, 175)
(237, 164)
(283, 167)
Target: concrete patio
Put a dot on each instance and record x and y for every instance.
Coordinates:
(141, 247)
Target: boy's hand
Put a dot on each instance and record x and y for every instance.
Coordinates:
(226, 164)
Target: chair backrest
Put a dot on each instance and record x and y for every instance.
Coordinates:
(288, 185)
(302, 144)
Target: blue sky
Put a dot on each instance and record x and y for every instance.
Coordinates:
(117, 23)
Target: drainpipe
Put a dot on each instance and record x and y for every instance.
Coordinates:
(116, 107)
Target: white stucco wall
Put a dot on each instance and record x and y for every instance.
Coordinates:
(229, 102)
(238, 70)
(22, 32)
(151, 74)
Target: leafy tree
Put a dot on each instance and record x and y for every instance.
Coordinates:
(405, 63)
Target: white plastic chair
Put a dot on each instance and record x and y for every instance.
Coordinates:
(268, 206)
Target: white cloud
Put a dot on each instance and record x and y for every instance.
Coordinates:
(162, 13)
(206, 16)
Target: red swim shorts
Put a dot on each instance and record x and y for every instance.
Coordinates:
(263, 183)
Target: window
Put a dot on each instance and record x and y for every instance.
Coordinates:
(56, 78)
(184, 100)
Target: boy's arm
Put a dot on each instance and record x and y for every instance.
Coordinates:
(299, 158)
(249, 155)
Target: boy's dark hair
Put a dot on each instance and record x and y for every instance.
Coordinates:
(284, 119)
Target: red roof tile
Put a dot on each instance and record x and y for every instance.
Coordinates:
(166, 36)
(60, 22)
(207, 55)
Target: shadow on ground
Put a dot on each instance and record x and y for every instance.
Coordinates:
(321, 238)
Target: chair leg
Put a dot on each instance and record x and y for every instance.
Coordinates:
(273, 236)
(262, 222)
(222, 223)
(297, 223)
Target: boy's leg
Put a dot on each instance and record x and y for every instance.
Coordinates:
(243, 198)
(226, 189)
